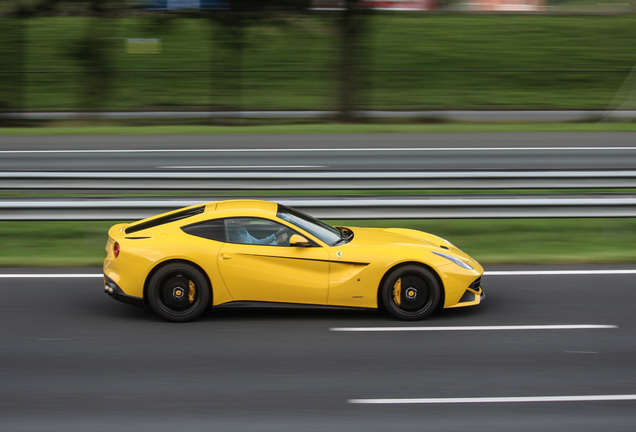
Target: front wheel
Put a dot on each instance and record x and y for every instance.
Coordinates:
(410, 293)
(178, 292)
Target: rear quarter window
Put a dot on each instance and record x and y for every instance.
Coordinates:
(211, 230)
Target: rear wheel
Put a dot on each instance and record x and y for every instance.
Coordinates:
(410, 292)
(178, 292)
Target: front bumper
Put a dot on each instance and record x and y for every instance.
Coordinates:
(113, 290)
(473, 295)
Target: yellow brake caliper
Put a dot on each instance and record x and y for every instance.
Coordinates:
(397, 292)
(193, 291)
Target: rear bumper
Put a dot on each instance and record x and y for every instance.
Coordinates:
(113, 290)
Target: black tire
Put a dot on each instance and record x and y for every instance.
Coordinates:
(410, 292)
(179, 292)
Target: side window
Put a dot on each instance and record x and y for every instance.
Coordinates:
(211, 230)
(256, 231)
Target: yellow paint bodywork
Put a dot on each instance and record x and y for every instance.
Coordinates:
(344, 275)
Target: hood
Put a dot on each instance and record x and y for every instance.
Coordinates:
(381, 237)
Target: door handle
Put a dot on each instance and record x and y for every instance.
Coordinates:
(226, 256)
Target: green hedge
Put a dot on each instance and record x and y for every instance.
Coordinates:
(446, 43)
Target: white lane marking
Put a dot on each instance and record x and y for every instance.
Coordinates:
(475, 328)
(486, 273)
(309, 150)
(221, 167)
(522, 399)
(49, 275)
(558, 272)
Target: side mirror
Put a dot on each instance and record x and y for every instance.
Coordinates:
(299, 241)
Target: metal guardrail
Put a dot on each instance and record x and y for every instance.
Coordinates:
(330, 180)
(350, 206)
(344, 208)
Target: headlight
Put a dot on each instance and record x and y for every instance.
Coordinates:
(457, 261)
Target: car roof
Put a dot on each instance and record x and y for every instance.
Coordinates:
(257, 205)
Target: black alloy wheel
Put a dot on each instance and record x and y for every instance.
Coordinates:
(410, 293)
(179, 292)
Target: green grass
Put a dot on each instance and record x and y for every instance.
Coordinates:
(490, 241)
(115, 129)
(393, 41)
(533, 241)
(52, 244)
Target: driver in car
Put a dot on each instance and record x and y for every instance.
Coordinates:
(238, 233)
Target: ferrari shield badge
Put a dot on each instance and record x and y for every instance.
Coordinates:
(338, 254)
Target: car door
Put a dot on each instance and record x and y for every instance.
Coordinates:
(256, 268)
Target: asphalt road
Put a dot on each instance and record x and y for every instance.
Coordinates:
(332, 152)
(73, 359)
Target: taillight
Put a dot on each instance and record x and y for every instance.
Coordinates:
(116, 249)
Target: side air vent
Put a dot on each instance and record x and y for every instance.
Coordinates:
(475, 285)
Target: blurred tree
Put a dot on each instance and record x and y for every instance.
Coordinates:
(229, 23)
(93, 53)
(349, 29)
(350, 32)
(94, 50)
(12, 46)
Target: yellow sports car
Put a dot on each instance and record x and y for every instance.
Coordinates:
(185, 261)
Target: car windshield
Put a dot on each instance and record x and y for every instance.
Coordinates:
(315, 227)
